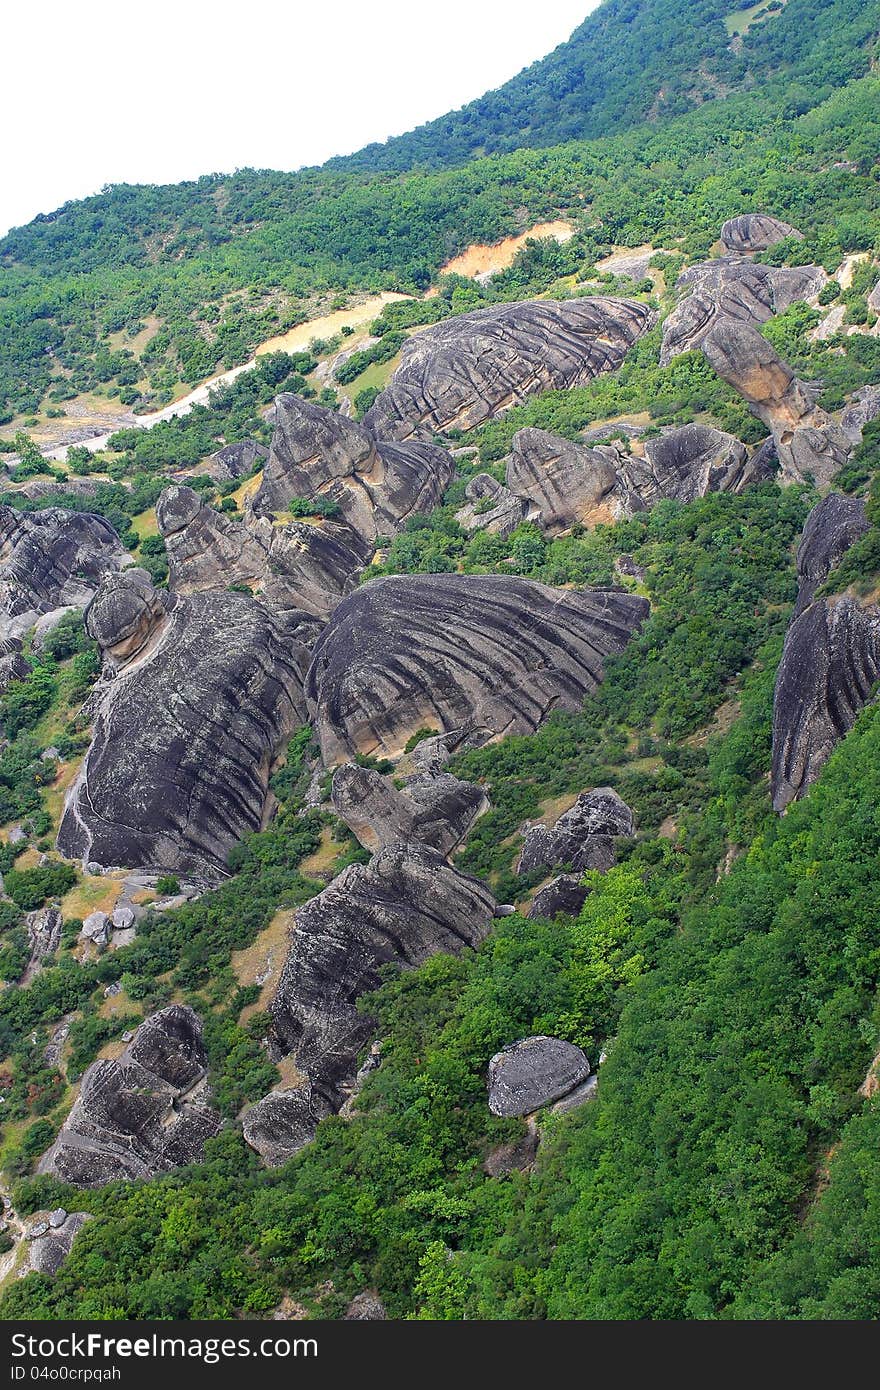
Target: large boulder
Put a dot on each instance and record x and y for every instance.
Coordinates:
(830, 663)
(531, 1073)
(14, 666)
(405, 905)
(47, 1253)
(496, 652)
(862, 409)
(810, 445)
(491, 507)
(582, 837)
(692, 461)
(755, 231)
(324, 457)
(199, 696)
(733, 288)
(431, 808)
(832, 527)
(50, 559)
(293, 567)
(463, 371)
(144, 1113)
(563, 894)
(566, 483)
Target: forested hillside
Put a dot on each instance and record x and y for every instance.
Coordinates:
(696, 489)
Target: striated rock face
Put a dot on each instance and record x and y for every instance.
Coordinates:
(462, 371)
(318, 454)
(404, 906)
(810, 446)
(691, 462)
(566, 483)
(237, 460)
(830, 663)
(143, 1114)
(207, 690)
(495, 652)
(433, 808)
(737, 289)
(294, 567)
(862, 409)
(13, 664)
(755, 231)
(583, 836)
(50, 559)
(47, 1253)
(563, 894)
(491, 507)
(531, 1073)
(829, 531)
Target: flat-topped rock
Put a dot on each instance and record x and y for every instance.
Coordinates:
(201, 697)
(755, 231)
(531, 1073)
(462, 371)
(446, 650)
(491, 507)
(145, 1113)
(321, 456)
(431, 808)
(582, 837)
(50, 559)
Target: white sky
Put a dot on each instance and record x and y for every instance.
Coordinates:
(150, 91)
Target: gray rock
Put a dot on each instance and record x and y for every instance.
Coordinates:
(96, 927)
(319, 455)
(491, 507)
(529, 1074)
(566, 483)
(122, 918)
(830, 663)
(38, 1229)
(587, 1090)
(207, 691)
(736, 289)
(811, 447)
(48, 1251)
(47, 623)
(44, 937)
(432, 808)
(692, 461)
(366, 1307)
(432, 754)
(832, 527)
(517, 1157)
(755, 231)
(237, 460)
(57, 1217)
(862, 409)
(294, 567)
(143, 1114)
(17, 835)
(494, 652)
(563, 894)
(583, 837)
(282, 1123)
(51, 558)
(14, 666)
(463, 371)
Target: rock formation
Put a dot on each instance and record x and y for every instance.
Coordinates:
(404, 906)
(293, 567)
(51, 559)
(447, 650)
(737, 289)
(14, 666)
(755, 231)
(531, 1073)
(810, 446)
(862, 409)
(431, 808)
(563, 894)
(830, 663)
(464, 370)
(832, 527)
(582, 837)
(237, 460)
(143, 1114)
(47, 1252)
(491, 507)
(199, 696)
(324, 457)
(566, 483)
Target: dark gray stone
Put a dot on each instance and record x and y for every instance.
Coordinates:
(563, 894)
(432, 808)
(583, 837)
(491, 507)
(531, 1073)
(50, 559)
(755, 231)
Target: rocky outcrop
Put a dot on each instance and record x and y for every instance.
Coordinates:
(830, 663)
(50, 559)
(691, 462)
(463, 371)
(810, 446)
(142, 1114)
(832, 527)
(199, 695)
(582, 837)
(404, 906)
(293, 567)
(14, 666)
(529, 1074)
(44, 929)
(324, 457)
(491, 507)
(563, 894)
(366, 1307)
(862, 409)
(736, 289)
(566, 483)
(235, 461)
(431, 808)
(755, 231)
(47, 1252)
(496, 652)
